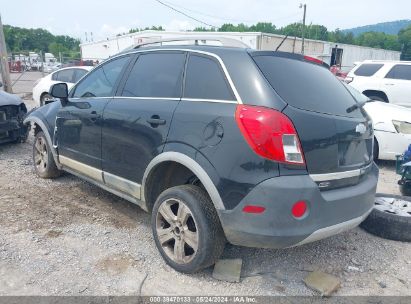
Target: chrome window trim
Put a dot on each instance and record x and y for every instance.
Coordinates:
(338, 175)
(209, 100)
(177, 99)
(88, 98)
(227, 75)
(150, 98)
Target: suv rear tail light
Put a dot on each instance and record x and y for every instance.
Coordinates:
(270, 134)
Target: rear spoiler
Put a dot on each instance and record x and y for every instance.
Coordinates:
(290, 56)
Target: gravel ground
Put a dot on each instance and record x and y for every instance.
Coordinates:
(68, 237)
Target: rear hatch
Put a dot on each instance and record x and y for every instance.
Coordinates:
(333, 139)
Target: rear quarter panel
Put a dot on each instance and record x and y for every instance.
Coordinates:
(210, 129)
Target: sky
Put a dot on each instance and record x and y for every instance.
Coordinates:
(108, 18)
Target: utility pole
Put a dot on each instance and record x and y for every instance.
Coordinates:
(303, 29)
(4, 65)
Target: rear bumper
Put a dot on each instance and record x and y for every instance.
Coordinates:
(329, 212)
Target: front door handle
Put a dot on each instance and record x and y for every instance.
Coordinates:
(93, 116)
(389, 84)
(155, 121)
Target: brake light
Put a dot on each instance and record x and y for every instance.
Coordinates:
(270, 134)
(312, 59)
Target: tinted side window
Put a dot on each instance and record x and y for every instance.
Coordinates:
(368, 69)
(101, 82)
(79, 73)
(400, 71)
(55, 76)
(206, 80)
(66, 75)
(156, 75)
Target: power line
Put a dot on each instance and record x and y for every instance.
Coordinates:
(226, 19)
(208, 15)
(182, 13)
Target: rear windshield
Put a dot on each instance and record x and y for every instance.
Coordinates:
(306, 86)
(368, 69)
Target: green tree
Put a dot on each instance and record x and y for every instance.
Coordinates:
(293, 29)
(228, 27)
(22, 39)
(204, 29)
(264, 27)
(56, 48)
(404, 39)
(317, 32)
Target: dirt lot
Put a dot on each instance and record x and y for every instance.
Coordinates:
(68, 237)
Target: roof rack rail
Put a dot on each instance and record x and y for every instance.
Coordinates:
(228, 42)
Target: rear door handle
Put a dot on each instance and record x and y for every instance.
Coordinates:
(155, 120)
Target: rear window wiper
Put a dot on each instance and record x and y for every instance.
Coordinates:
(356, 106)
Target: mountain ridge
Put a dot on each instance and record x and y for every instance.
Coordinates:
(391, 27)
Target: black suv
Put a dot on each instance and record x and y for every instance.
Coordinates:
(259, 148)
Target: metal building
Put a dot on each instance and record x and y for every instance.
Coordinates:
(343, 55)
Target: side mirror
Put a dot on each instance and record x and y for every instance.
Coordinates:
(1, 84)
(60, 90)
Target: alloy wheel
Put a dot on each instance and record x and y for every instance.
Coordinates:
(40, 154)
(393, 205)
(177, 231)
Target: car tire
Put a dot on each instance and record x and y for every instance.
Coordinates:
(378, 98)
(183, 218)
(375, 149)
(43, 159)
(406, 189)
(44, 98)
(390, 218)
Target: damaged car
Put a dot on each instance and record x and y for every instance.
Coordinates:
(12, 113)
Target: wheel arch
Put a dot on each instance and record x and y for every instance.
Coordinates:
(379, 93)
(376, 148)
(39, 125)
(190, 164)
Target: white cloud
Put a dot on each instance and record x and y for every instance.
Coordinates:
(108, 30)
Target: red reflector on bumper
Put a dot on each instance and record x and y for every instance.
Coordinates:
(299, 209)
(253, 209)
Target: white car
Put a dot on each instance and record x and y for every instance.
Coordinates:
(68, 75)
(51, 68)
(392, 126)
(388, 81)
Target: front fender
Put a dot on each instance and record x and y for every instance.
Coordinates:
(35, 117)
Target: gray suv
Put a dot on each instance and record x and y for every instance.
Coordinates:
(257, 148)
